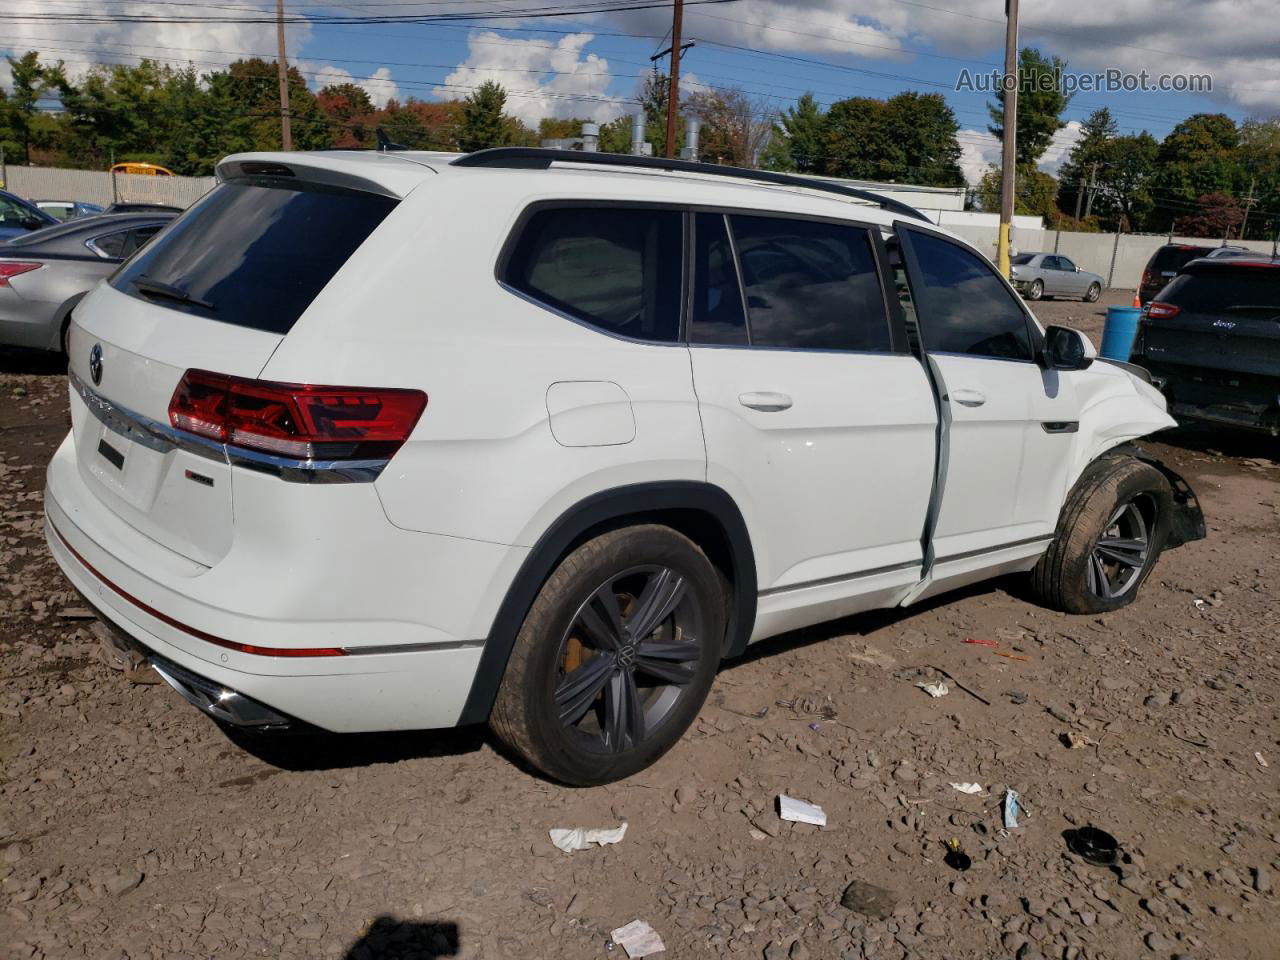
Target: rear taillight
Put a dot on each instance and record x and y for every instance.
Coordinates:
(1162, 311)
(295, 420)
(1147, 279)
(10, 269)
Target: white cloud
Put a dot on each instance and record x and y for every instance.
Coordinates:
(207, 45)
(979, 149)
(1060, 147)
(378, 85)
(575, 84)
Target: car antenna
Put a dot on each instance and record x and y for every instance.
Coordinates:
(385, 143)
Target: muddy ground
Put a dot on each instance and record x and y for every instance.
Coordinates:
(130, 826)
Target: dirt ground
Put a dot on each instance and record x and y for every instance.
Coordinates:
(130, 826)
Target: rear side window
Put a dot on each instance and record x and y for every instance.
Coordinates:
(112, 244)
(1244, 290)
(810, 285)
(1171, 259)
(618, 270)
(254, 254)
(717, 315)
(965, 308)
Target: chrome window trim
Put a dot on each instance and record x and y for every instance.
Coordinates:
(163, 438)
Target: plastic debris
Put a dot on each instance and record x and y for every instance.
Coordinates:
(799, 811)
(1078, 741)
(1200, 604)
(815, 726)
(1010, 656)
(935, 688)
(984, 643)
(956, 858)
(572, 839)
(970, 788)
(1093, 845)
(638, 939)
(1012, 808)
(1262, 761)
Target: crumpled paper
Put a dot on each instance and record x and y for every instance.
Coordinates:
(935, 689)
(572, 839)
(638, 939)
(967, 787)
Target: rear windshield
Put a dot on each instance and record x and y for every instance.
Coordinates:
(254, 254)
(1022, 259)
(1171, 259)
(1226, 291)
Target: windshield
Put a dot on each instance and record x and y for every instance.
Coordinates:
(1225, 291)
(254, 254)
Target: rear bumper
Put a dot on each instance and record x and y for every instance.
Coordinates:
(1248, 401)
(246, 624)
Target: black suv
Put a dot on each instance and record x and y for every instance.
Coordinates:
(1211, 341)
(1169, 259)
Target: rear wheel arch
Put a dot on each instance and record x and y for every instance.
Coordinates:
(62, 322)
(704, 513)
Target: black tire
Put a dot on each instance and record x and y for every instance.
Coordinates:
(559, 641)
(1067, 576)
(1036, 290)
(1095, 291)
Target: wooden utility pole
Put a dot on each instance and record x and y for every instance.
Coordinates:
(1249, 201)
(1093, 189)
(673, 87)
(1009, 153)
(286, 135)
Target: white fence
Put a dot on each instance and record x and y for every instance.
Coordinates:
(97, 186)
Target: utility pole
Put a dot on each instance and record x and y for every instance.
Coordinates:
(673, 87)
(1248, 202)
(286, 135)
(1093, 189)
(1009, 153)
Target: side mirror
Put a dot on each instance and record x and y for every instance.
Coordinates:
(1066, 349)
(31, 223)
(1077, 269)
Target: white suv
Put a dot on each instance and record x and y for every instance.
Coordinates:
(381, 441)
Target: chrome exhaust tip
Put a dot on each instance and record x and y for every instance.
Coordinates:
(221, 703)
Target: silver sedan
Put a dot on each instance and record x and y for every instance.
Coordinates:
(1037, 275)
(43, 274)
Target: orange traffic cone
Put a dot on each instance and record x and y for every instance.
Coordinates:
(1137, 301)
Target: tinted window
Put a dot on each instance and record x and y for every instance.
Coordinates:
(1065, 264)
(615, 269)
(965, 306)
(257, 254)
(717, 315)
(139, 237)
(1243, 290)
(112, 244)
(12, 213)
(1052, 263)
(810, 285)
(1171, 258)
(1022, 259)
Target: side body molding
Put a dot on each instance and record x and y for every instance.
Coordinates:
(696, 501)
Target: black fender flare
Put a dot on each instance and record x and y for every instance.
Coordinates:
(1187, 522)
(596, 511)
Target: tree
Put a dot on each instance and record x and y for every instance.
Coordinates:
(735, 127)
(615, 136)
(654, 94)
(1126, 179)
(852, 142)
(1041, 100)
(921, 131)
(1036, 193)
(798, 138)
(1197, 158)
(483, 123)
(1259, 153)
(1217, 214)
(32, 81)
(1096, 134)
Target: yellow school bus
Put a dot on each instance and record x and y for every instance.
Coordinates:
(146, 169)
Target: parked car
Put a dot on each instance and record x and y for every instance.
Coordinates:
(540, 438)
(69, 209)
(1169, 259)
(44, 274)
(18, 216)
(1037, 275)
(126, 206)
(1211, 342)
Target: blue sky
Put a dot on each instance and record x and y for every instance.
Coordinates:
(774, 49)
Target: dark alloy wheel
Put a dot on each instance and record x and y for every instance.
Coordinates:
(1123, 551)
(615, 657)
(625, 660)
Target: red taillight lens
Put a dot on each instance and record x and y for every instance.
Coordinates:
(295, 420)
(1162, 311)
(11, 269)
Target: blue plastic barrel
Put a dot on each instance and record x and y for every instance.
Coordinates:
(1118, 332)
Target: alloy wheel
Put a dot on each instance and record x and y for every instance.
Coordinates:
(1120, 555)
(627, 658)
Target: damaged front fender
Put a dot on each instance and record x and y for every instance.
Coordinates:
(1187, 522)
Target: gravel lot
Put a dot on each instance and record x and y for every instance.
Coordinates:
(130, 826)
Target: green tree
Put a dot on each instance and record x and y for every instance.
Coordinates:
(1096, 134)
(1259, 153)
(32, 81)
(1125, 180)
(1036, 193)
(1199, 157)
(853, 143)
(797, 140)
(920, 131)
(483, 122)
(615, 136)
(1041, 100)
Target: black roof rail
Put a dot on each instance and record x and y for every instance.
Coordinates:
(538, 158)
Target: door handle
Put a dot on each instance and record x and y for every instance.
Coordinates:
(968, 398)
(765, 402)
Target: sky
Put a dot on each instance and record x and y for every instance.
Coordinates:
(591, 64)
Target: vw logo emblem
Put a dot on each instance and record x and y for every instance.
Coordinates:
(626, 655)
(95, 363)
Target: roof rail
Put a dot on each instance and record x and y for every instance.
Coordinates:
(537, 158)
